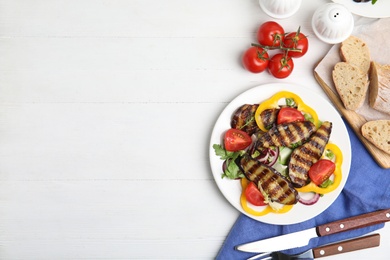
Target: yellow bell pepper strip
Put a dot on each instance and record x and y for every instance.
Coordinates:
(311, 187)
(267, 209)
(273, 103)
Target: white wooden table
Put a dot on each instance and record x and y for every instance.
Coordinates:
(106, 109)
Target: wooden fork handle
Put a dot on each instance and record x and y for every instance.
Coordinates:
(347, 246)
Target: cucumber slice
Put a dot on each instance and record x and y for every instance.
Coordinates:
(282, 169)
(284, 155)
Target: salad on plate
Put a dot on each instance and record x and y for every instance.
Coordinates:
(281, 153)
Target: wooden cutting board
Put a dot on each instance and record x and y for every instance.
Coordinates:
(322, 74)
(355, 121)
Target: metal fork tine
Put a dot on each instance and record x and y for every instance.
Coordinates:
(281, 256)
(262, 256)
(275, 256)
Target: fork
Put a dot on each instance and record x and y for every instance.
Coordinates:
(327, 250)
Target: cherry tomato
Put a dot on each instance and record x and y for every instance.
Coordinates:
(253, 195)
(289, 114)
(296, 40)
(270, 34)
(255, 59)
(236, 140)
(321, 171)
(280, 65)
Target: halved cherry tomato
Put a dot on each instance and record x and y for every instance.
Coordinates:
(296, 40)
(253, 195)
(289, 114)
(321, 171)
(270, 34)
(236, 140)
(280, 65)
(255, 59)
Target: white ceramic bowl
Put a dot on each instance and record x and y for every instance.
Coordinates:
(280, 8)
(332, 23)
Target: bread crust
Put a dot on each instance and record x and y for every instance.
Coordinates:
(379, 93)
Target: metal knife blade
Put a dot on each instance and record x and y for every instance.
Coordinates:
(302, 238)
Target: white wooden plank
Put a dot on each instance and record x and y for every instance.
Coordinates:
(124, 86)
(78, 70)
(105, 141)
(59, 62)
(39, 71)
(112, 219)
(138, 18)
(71, 182)
(134, 18)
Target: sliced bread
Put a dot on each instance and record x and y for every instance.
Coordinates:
(378, 133)
(379, 93)
(351, 84)
(355, 51)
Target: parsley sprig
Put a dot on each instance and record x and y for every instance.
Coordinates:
(232, 171)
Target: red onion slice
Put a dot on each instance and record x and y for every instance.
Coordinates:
(225, 164)
(263, 159)
(268, 156)
(274, 154)
(310, 201)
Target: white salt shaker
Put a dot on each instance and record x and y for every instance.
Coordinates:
(280, 9)
(332, 23)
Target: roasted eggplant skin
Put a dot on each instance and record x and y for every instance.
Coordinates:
(304, 156)
(287, 134)
(243, 119)
(269, 117)
(277, 187)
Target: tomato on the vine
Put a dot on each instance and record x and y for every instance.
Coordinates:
(296, 40)
(255, 59)
(281, 65)
(288, 115)
(253, 195)
(270, 34)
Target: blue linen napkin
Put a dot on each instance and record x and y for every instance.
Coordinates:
(367, 189)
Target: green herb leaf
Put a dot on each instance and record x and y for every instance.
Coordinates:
(290, 102)
(295, 145)
(221, 152)
(232, 170)
(248, 121)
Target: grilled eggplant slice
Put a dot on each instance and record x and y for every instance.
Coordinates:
(268, 180)
(268, 117)
(304, 156)
(288, 134)
(243, 119)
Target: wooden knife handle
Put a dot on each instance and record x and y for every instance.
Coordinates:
(347, 246)
(360, 221)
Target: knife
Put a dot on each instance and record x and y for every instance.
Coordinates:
(328, 250)
(302, 238)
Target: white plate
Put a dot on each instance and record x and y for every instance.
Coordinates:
(231, 189)
(381, 9)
